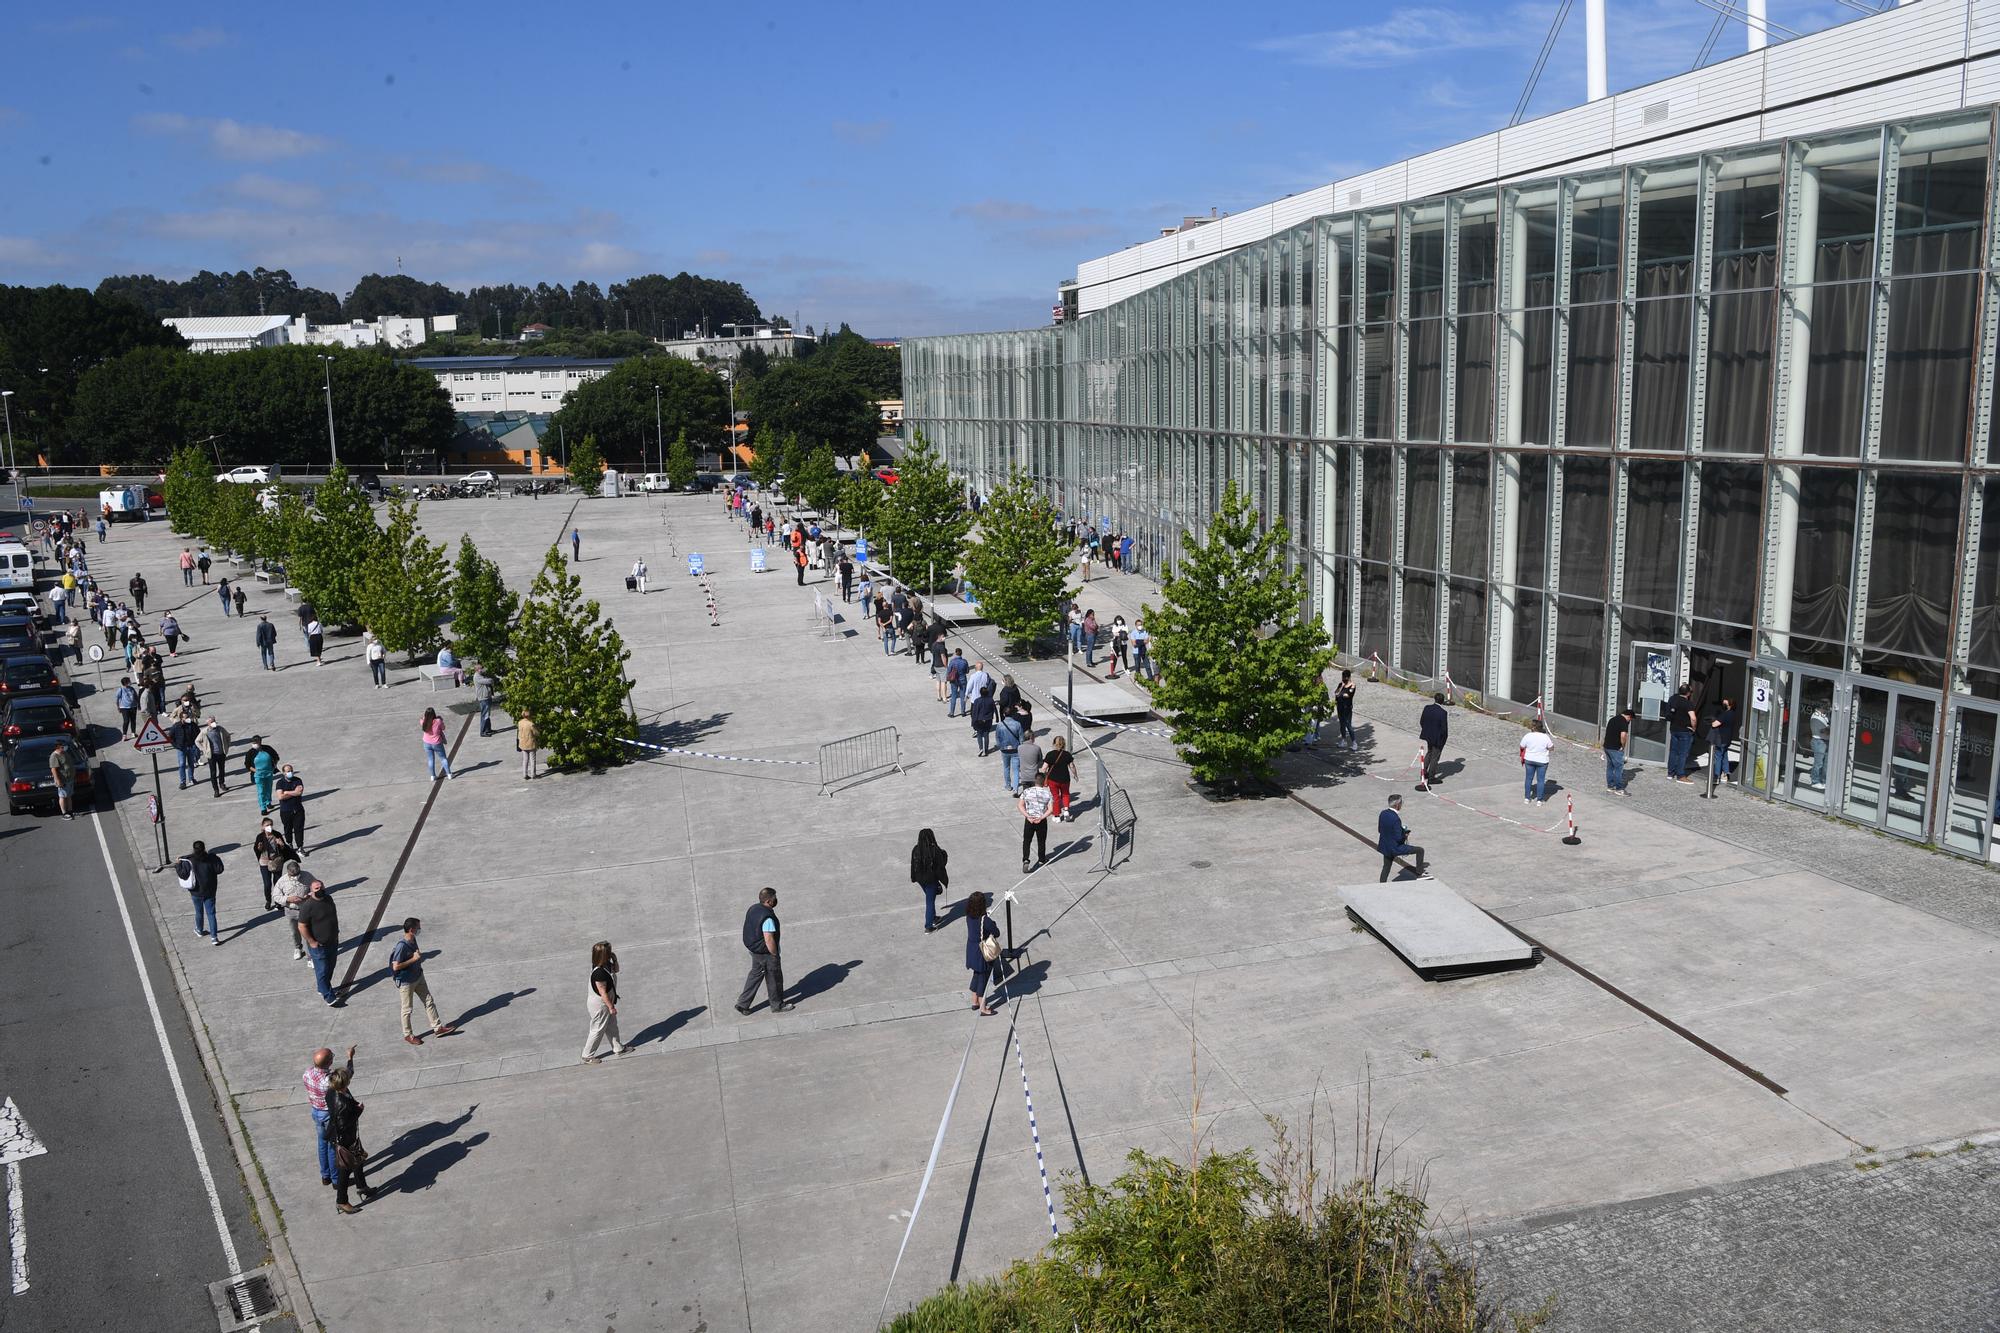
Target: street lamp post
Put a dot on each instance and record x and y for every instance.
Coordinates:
(8, 408)
(332, 446)
(658, 432)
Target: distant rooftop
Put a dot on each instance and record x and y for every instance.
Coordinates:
(511, 362)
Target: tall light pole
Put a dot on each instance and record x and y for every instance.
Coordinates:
(658, 432)
(332, 446)
(734, 458)
(8, 409)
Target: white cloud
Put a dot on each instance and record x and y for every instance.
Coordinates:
(27, 252)
(1404, 35)
(196, 39)
(861, 132)
(1023, 223)
(273, 190)
(233, 138)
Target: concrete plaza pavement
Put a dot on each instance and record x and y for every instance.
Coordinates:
(735, 1171)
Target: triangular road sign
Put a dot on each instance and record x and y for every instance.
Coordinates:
(150, 737)
(17, 1141)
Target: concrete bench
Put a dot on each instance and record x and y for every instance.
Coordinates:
(293, 594)
(438, 676)
(274, 577)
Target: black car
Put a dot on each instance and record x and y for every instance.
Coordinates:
(31, 786)
(27, 673)
(703, 481)
(19, 634)
(26, 716)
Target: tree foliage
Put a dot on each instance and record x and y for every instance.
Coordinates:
(814, 399)
(765, 462)
(1230, 1245)
(233, 519)
(327, 554)
(923, 519)
(618, 407)
(188, 490)
(482, 607)
(860, 501)
(818, 481)
(566, 668)
(792, 462)
(586, 466)
(1240, 664)
(50, 338)
(680, 462)
(240, 293)
(405, 588)
(1018, 564)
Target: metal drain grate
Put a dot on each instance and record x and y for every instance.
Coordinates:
(245, 1299)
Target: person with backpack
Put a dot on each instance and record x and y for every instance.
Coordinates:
(760, 938)
(984, 713)
(236, 596)
(137, 587)
(127, 703)
(406, 969)
(1060, 767)
(1007, 735)
(955, 673)
(928, 872)
(200, 873)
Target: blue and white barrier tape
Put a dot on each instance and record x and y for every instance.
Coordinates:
(706, 754)
(1034, 1131)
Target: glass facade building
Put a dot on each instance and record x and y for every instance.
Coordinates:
(1723, 419)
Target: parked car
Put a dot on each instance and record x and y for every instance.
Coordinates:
(19, 634)
(29, 783)
(703, 481)
(27, 673)
(888, 476)
(27, 716)
(258, 475)
(15, 602)
(655, 482)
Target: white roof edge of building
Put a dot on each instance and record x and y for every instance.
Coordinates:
(1876, 67)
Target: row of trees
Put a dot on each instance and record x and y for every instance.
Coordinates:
(653, 305)
(553, 652)
(50, 338)
(267, 404)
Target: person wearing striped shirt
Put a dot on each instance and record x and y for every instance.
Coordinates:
(316, 1076)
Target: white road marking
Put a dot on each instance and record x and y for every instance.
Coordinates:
(17, 1141)
(167, 1054)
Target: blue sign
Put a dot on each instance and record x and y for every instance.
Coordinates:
(756, 560)
(694, 562)
(965, 591)
(860, 550)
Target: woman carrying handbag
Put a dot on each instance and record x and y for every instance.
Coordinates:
(343, 1126)
(982, 949)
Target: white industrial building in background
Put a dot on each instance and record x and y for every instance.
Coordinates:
(236, 333)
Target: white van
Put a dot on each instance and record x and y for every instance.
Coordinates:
(126, 503)
(17, 568)
(655, 481)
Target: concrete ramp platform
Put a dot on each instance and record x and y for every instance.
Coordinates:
(1438, 933)
(1099, 700)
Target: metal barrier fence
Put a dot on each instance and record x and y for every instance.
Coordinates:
(1117, 820)
(857, 756)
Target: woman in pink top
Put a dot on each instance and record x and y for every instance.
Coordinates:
(434, 743)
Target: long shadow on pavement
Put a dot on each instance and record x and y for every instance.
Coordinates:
(423, 1173)
(417, 1138)
(492, 1006)
(820, 980)
(667, 1027)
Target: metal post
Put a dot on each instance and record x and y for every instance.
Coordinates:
(160, 804)
(1010, 925)
(659, 431)
(332, 445)
(8, 408)
(1069, 653)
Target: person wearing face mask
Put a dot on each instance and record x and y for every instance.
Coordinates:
(291, 792)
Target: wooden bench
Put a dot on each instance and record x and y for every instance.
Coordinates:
(437, 675)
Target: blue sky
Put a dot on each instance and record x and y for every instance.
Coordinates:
(907, 168)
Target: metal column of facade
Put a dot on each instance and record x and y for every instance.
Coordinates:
(1558, 438)
(1447, 436)
(1871, 440)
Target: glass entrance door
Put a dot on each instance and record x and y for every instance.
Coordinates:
(1655, 674)
(1889, 758)
(1810, 744)
(1969, 804)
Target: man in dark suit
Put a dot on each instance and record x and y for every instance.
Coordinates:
(1434, 726)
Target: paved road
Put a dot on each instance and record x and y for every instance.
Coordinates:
(121, 1230)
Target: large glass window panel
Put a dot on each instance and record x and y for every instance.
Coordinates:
(1927, 384)
(1941, 196)
(1426, 378)
(1376, 624)
(1985, 649)
(1727, 557)
(1586, 526)
(1971, 796)
(1471, 514)
(1822, 564)
(1473, 405)
(1845, 170)
(1736, 418)
(1537, 217)
(1911, 564)
(1532, 540)
(1478, 255)
(1653, 534)
(1527, 646)
(1668, 223)
(1748, 212)
(1662, 333)
(1538, 341)
(1381, 274)
(1378, 381)
(1591, 420)
(1420, 624)
(1837, 370)
(1579, 688)
(1420, 522)
(1426, 225)
(1343, 389)
(1597, 223)
(1378, 504)
(1465, 655)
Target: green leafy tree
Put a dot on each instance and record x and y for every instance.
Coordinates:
(818, 481)
(860, 501)
(566, 668)
(482, 607)
(680, 462)
(328, 552)
(128, 409)
(405, 588)
(1018, 564)
(189, 490)
(586, 466)
(1240, 665)
(923, 519)
(230, 520)
(764, 460)
(792, 462)
(621, 407)
(280, 526)
(818, 399)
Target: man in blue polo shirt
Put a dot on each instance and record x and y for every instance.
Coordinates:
(1393, 839)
